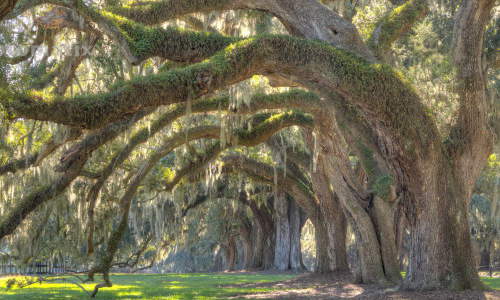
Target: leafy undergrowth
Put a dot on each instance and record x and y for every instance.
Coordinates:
(148, 286)
(193, 286)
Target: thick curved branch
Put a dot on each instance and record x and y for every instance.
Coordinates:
(395, 24)
(158, 12)
(387, 102)
(305, 18)
(376, 89)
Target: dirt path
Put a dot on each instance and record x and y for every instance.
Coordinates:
(339, 286)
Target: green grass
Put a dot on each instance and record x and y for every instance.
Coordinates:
(492, 282)
(159, 286)
(147, 286)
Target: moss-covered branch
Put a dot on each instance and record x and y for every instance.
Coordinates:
(375, 88)
(160, 11)
(395, 24)
(385, 98)
(305, 18)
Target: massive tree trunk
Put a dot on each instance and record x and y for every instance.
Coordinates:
(246, 230)
(324, 250)
(258, 245)
(295, 232)
(441, 249)
(231, 254)
(333, 162)
(330, 235)
(288, 254)
(264, 247)
(383, 214)
(330, 228)
(282, 223)
(352, 198)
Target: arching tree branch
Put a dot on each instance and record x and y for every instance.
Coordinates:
(323, 23)
(327, 69)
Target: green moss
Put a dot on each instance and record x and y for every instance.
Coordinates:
(396, 23)
(145, 41)
(160, 11)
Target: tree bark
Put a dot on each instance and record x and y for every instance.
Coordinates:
(370, 257)
(231, 254)
(382, 214)
(441, 248)
(246, 230)
(324, 252)
(265, 240)
(331, 226)
(282, 224)
(295, 233)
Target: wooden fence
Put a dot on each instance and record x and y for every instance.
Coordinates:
(9, 267)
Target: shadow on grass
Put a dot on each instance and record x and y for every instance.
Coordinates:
(149, 286)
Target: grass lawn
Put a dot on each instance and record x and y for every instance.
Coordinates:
(492, 282)
(159, 286)
(147, 286)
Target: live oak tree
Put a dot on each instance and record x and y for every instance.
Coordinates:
(357, 104)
